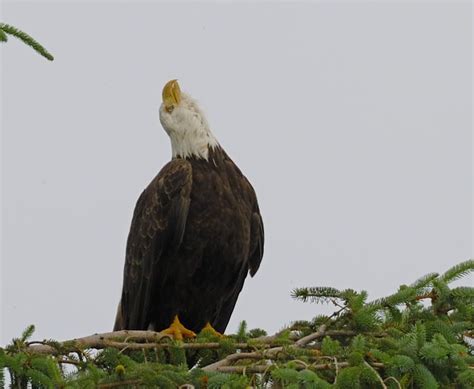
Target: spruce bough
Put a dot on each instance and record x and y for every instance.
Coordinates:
(419, 337)
(6, 29)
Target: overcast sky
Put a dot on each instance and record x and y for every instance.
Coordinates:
(352, 121)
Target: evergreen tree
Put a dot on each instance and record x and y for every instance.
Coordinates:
(419, 337)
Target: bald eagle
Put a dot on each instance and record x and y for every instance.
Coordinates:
(196, 232)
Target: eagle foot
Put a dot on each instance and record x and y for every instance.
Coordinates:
(210, 329)
(178, 331)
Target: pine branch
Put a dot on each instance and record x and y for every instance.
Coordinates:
(119, 384)
(150, 340)
(25, 38)
(376, 374)
(266, 354)
(264, 368)
(316, 294)
(393, 342)
(309, 338)
(404, 295)
(464, 292)
(121, 340)
(458, 271)
(27, 333)
(3, 36)
(424, 281)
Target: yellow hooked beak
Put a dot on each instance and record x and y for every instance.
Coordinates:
(171, 95)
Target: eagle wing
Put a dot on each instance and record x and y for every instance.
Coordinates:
(257, 233)
(158, 226)
(257, 236)
(257, 240)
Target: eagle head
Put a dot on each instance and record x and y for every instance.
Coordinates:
(185, 124)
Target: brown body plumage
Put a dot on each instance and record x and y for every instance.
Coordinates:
(195, 235)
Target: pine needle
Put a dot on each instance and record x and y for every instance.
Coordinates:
(23, 36)
(458, 271)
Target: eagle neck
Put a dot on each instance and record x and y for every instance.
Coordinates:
(192, 145)
(215, 156)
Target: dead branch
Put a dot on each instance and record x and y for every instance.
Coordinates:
(264, 368)
(264, 354)
(120, 340)
(120, 383)
(309, 338)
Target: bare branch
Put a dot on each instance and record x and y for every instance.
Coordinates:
(393, 379)
(122, 339)
(263, 368)
(377, 374)
(119, 384)
(315, 335)
(265, 354)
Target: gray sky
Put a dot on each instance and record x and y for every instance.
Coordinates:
(352, 121)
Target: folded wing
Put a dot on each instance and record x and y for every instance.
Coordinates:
(158, 227)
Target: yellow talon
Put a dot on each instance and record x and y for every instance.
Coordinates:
(178, 331)
(208, 327)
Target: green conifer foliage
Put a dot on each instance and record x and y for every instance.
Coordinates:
(24, 37)
(419, 337)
